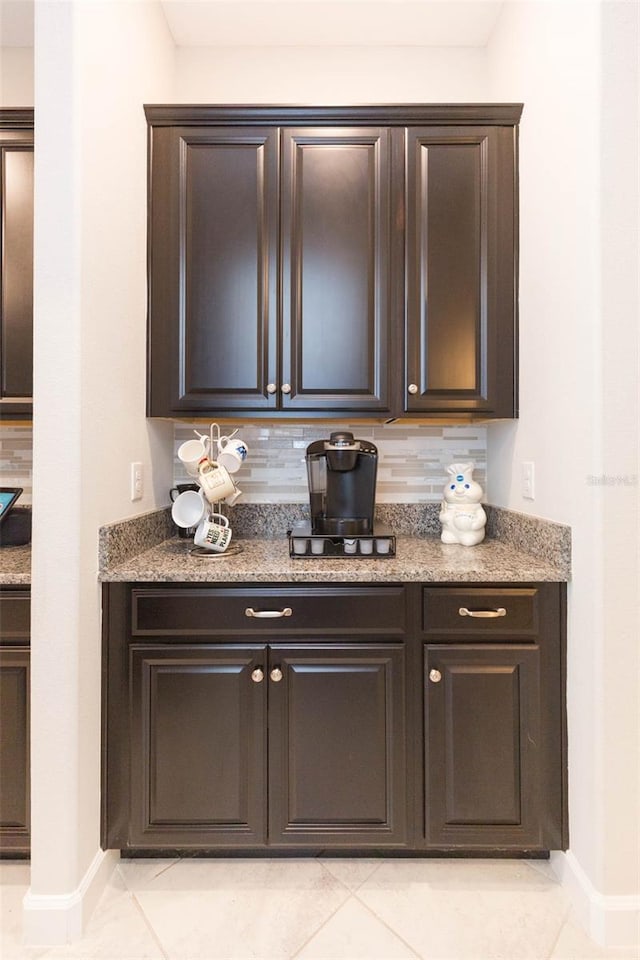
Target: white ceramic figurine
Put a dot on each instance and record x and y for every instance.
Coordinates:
(461, 514)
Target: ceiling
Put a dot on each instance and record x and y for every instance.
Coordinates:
(211, 23)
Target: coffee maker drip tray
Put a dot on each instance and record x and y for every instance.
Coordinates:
(376, 544)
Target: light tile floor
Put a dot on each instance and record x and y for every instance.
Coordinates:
(318, 909)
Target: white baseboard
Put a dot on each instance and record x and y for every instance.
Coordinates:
(52, 919)
(612, 921)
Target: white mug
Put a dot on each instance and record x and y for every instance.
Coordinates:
(188, 509)
(191, 452)
(213, 533)
(233, 497)
(232, 453)
(215, 480)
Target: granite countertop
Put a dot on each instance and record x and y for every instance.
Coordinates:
(518, 548)
(15, 565)
(417, 559)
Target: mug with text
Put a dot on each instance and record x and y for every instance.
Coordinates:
(213, 533)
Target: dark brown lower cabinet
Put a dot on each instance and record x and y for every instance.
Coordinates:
(482, 742)
(284, 717)
(244, 746)
(337, 767)
(198, 738)
(14, 750)
(14, 722)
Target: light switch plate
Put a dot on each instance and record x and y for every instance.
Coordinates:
(528, 480)
(137, 481)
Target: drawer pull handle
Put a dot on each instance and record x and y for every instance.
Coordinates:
(276, 674)
(257, 675)
(268, 614)
(487, 614)
(435, 676)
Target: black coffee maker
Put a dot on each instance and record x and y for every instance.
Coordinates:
(342, 485)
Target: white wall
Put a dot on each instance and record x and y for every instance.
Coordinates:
(577, 75)
(16, 77)
(329, 75)
(96, 64)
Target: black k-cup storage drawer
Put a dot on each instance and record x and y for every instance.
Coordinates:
(309, 610)
(15, 617)
(481, 613)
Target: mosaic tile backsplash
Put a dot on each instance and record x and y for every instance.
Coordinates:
(411, 466)
(16, 460)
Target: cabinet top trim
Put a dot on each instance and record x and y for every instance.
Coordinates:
(500, 114)
(16, 118)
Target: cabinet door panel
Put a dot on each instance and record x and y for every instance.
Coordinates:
(483, 746)
(16, 266)
(460, 270)
(14, 750)
(214, 221)
(197, 748)
(337, 764)
(336, 290)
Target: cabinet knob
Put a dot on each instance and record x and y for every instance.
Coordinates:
(413, 388)
(276, 674)
(286, 388)
(271, 388)
(435, 676)
(257, 675)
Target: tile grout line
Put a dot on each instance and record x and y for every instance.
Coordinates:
(332, 914)
(352, 896)
(390, 929)
(147, 923)
(563, 924)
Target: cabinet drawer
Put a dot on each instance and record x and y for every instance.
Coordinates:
(308, 611)
(479, 612)
(15, 616)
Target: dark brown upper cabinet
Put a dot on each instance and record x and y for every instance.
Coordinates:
(16, 264)
(332, 261)
(460, 271)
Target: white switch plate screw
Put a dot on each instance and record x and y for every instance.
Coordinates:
(528, 480)
(137, 481)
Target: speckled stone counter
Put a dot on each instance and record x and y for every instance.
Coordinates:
(518, 548)
(264, 561)
(15, 565)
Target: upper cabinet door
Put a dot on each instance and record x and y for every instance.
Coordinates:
(213, 269)
(16, 264)
(336, 252)
(460, 270)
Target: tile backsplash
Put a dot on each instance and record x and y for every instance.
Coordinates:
(411, 465)
(16, 459)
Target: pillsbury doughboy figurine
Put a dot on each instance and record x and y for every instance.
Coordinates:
(461, 514)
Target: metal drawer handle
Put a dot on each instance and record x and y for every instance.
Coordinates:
(268, 614)
(257, 675)
(487, 614)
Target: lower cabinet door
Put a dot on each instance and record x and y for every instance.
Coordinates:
(14, 750)
(483, 746)
(198, 746)
(337, 767)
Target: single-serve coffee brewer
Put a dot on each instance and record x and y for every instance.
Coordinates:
(341, 472)
(342, 484)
